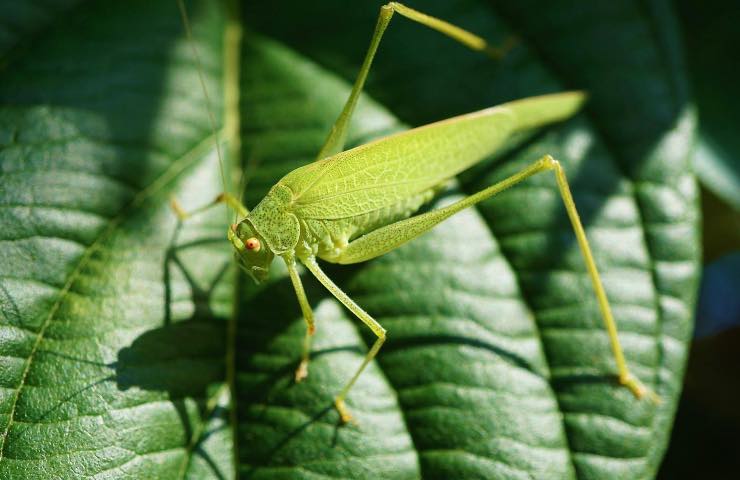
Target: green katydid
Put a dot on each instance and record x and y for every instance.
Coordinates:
(353, 205)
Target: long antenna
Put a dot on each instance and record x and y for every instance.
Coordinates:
(211, 117)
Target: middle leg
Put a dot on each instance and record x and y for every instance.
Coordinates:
(302, 370)
(377, 329)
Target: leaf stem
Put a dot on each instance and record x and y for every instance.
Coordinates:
(232, 65)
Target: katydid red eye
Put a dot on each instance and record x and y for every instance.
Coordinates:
(253, 244)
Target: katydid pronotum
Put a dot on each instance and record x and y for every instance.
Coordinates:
(350, 206)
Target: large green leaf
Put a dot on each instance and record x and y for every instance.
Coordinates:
(116, 323)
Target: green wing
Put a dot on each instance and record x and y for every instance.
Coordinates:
(387, 171)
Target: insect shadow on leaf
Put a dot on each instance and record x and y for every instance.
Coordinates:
(182, 357)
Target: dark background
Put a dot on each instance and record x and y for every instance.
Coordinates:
(706, 436)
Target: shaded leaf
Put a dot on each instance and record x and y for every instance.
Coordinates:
(719, 307)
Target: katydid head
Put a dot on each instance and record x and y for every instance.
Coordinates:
(252, 251)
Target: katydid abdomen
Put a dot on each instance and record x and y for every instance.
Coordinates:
(329, 238)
